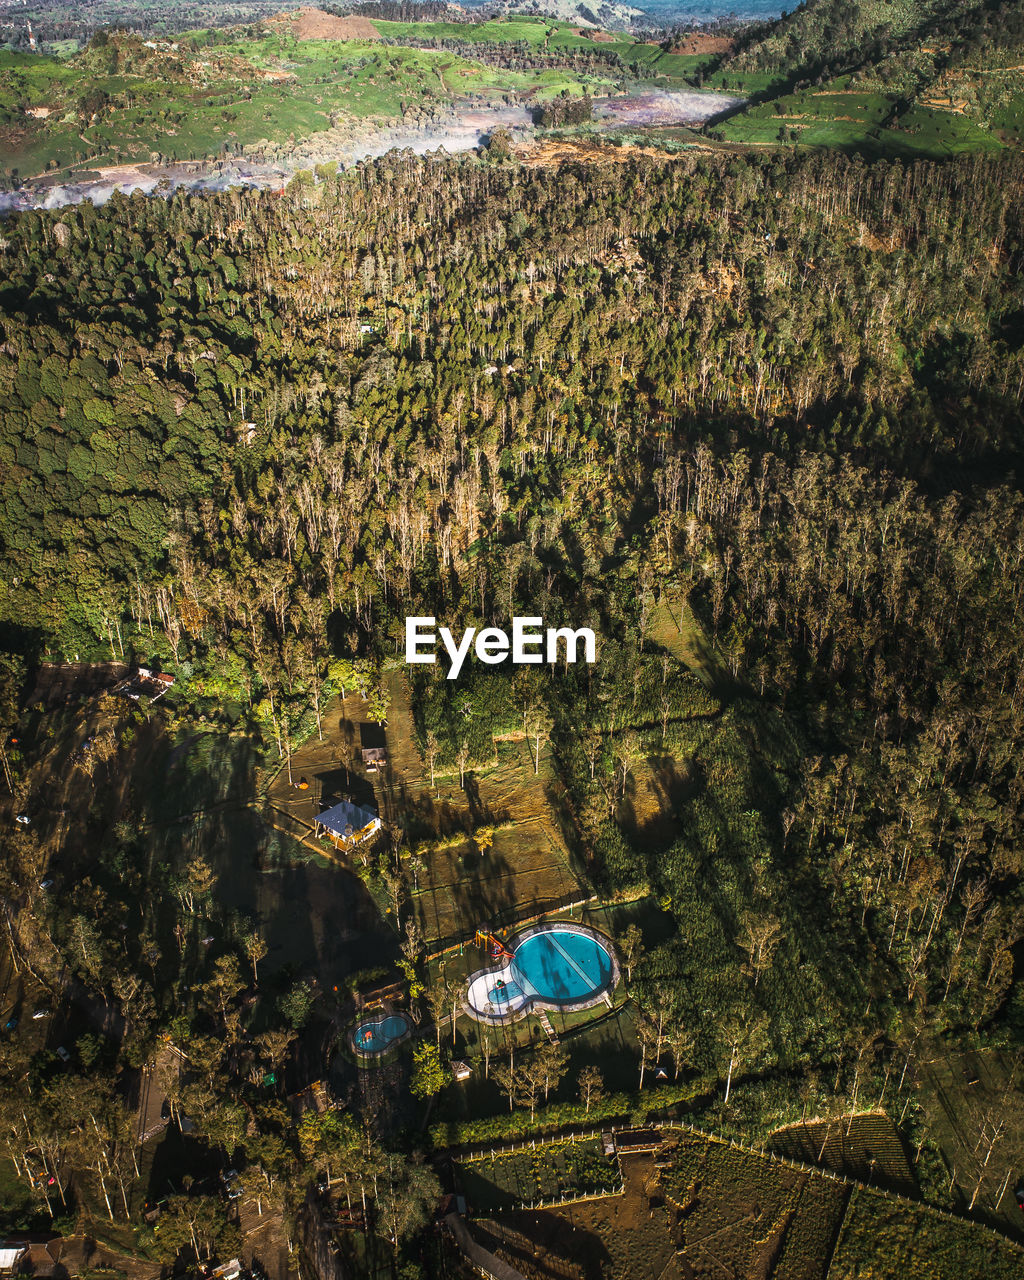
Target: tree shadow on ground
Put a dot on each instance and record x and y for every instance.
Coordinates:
(343, 784)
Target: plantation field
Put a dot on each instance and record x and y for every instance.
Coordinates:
(698, 1208)
(864, 1147)
(628, 1236)
(701, 1208)
(571, 1169)
(928, 1245)
(744, 1214)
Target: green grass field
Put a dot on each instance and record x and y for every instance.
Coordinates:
(745, 82)
(515, 30)
(238, 93)
(857, 122)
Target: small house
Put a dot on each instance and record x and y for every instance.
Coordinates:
(373, 747)
(227, 1270)
(12, 1255)
(152, 684)
(346, 824)
(461, 1070)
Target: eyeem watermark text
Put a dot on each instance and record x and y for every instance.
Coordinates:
(530, 641)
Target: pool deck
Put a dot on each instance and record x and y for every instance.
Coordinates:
(535, 1004)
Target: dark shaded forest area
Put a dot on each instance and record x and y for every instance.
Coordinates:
(243, 435)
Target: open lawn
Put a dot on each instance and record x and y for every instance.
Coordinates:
(456, 886)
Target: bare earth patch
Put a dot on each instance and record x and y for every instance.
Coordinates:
(313, 24)
(698, 44)
(541, 155)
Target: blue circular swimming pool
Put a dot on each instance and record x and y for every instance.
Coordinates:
(378, 1034)
(561, 965)
(553, 966)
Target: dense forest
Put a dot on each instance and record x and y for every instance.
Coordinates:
(905, 44)
(242, 436)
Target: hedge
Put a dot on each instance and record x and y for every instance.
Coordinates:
(632, 1107)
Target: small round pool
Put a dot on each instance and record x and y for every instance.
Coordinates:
(374, 1035)
(553, 966)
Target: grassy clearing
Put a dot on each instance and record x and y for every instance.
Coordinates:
(745, 83)
(964, 1096)
(456, 886)
(937, 134)
(674, 627)
(535, 32)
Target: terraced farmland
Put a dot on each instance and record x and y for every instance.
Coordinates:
(866, 1147)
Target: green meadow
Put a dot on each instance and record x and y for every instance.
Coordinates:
(867, 122)
(272, 89)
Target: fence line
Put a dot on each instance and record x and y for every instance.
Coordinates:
(798, 1166)
(519, 1206)
(554, 905)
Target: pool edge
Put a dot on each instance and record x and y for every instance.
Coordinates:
(535, 1004)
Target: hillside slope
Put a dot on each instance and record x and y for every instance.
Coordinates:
(918, 77)
(830, 37)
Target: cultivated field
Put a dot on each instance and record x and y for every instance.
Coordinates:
(570, 1169)
(922, 1243)
(694, 1208)
(864, 1147)
(698, 1208)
